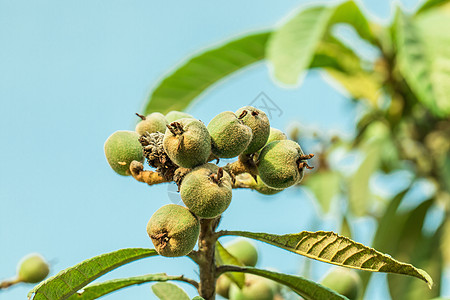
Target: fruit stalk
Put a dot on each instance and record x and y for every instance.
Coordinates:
(205, 259)
(9, 282)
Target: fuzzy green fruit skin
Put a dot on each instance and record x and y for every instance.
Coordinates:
(195, 146)
(255, 288)
(204, 197)
(175, 115)
(223, 284)
(276, 135)
(32, 269)
(229, 136)
(278, 164)
(259, 125)
(121, 148)
(154, 122)
(244, 251)
(262, 188)
(344, 281)
(181, 226)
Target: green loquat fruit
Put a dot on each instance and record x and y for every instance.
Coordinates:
(174, 230)
(187, 142)
(206, 191)
(244, 251)
(32, 268)
(257, 120)
(175, 115)
(229, 136)
(255, 288)
(154, 122)
(282, 164)
(344, 281)
(121, 148)
(223, 284)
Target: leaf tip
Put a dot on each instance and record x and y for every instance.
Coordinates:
(427, 278)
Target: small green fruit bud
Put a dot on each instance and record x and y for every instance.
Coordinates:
(281, 164)
(174, 115)
(276, 135)
(32, 268)
(154, 122)
(259, 123)
(344, 281)
(244, 251)
(229, 136)
(174, 230)
(206, 191)
(187, 142)
(223, 284)
(255, 288)
(121, 148)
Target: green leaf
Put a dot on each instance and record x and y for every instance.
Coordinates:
(331, 248)
(307, 289)
(437, 43)
(372, 145)
(346, 229)
(358, 187)
(345, 67)
(169, 291)
(424, 59)
(291, 48)
(97, 290)
(223, 257)
(420, 249)
(69, 281)
(445, 245)
(177, 90)
(388, 230)
(324, 185)
(198, 298)
(429, 4)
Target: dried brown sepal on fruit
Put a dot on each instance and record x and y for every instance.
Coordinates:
(156, 156)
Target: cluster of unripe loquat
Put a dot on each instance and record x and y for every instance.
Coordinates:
(183, 148)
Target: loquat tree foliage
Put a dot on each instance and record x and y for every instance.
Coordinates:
(405, 126)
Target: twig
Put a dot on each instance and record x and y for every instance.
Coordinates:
(9, 282)
(184, 279)
(148, 177)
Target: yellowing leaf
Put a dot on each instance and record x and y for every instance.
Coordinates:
(331, 248)
(223, 257)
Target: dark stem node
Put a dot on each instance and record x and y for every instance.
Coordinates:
(141, 116)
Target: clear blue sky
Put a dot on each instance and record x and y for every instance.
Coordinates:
(73, 72)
